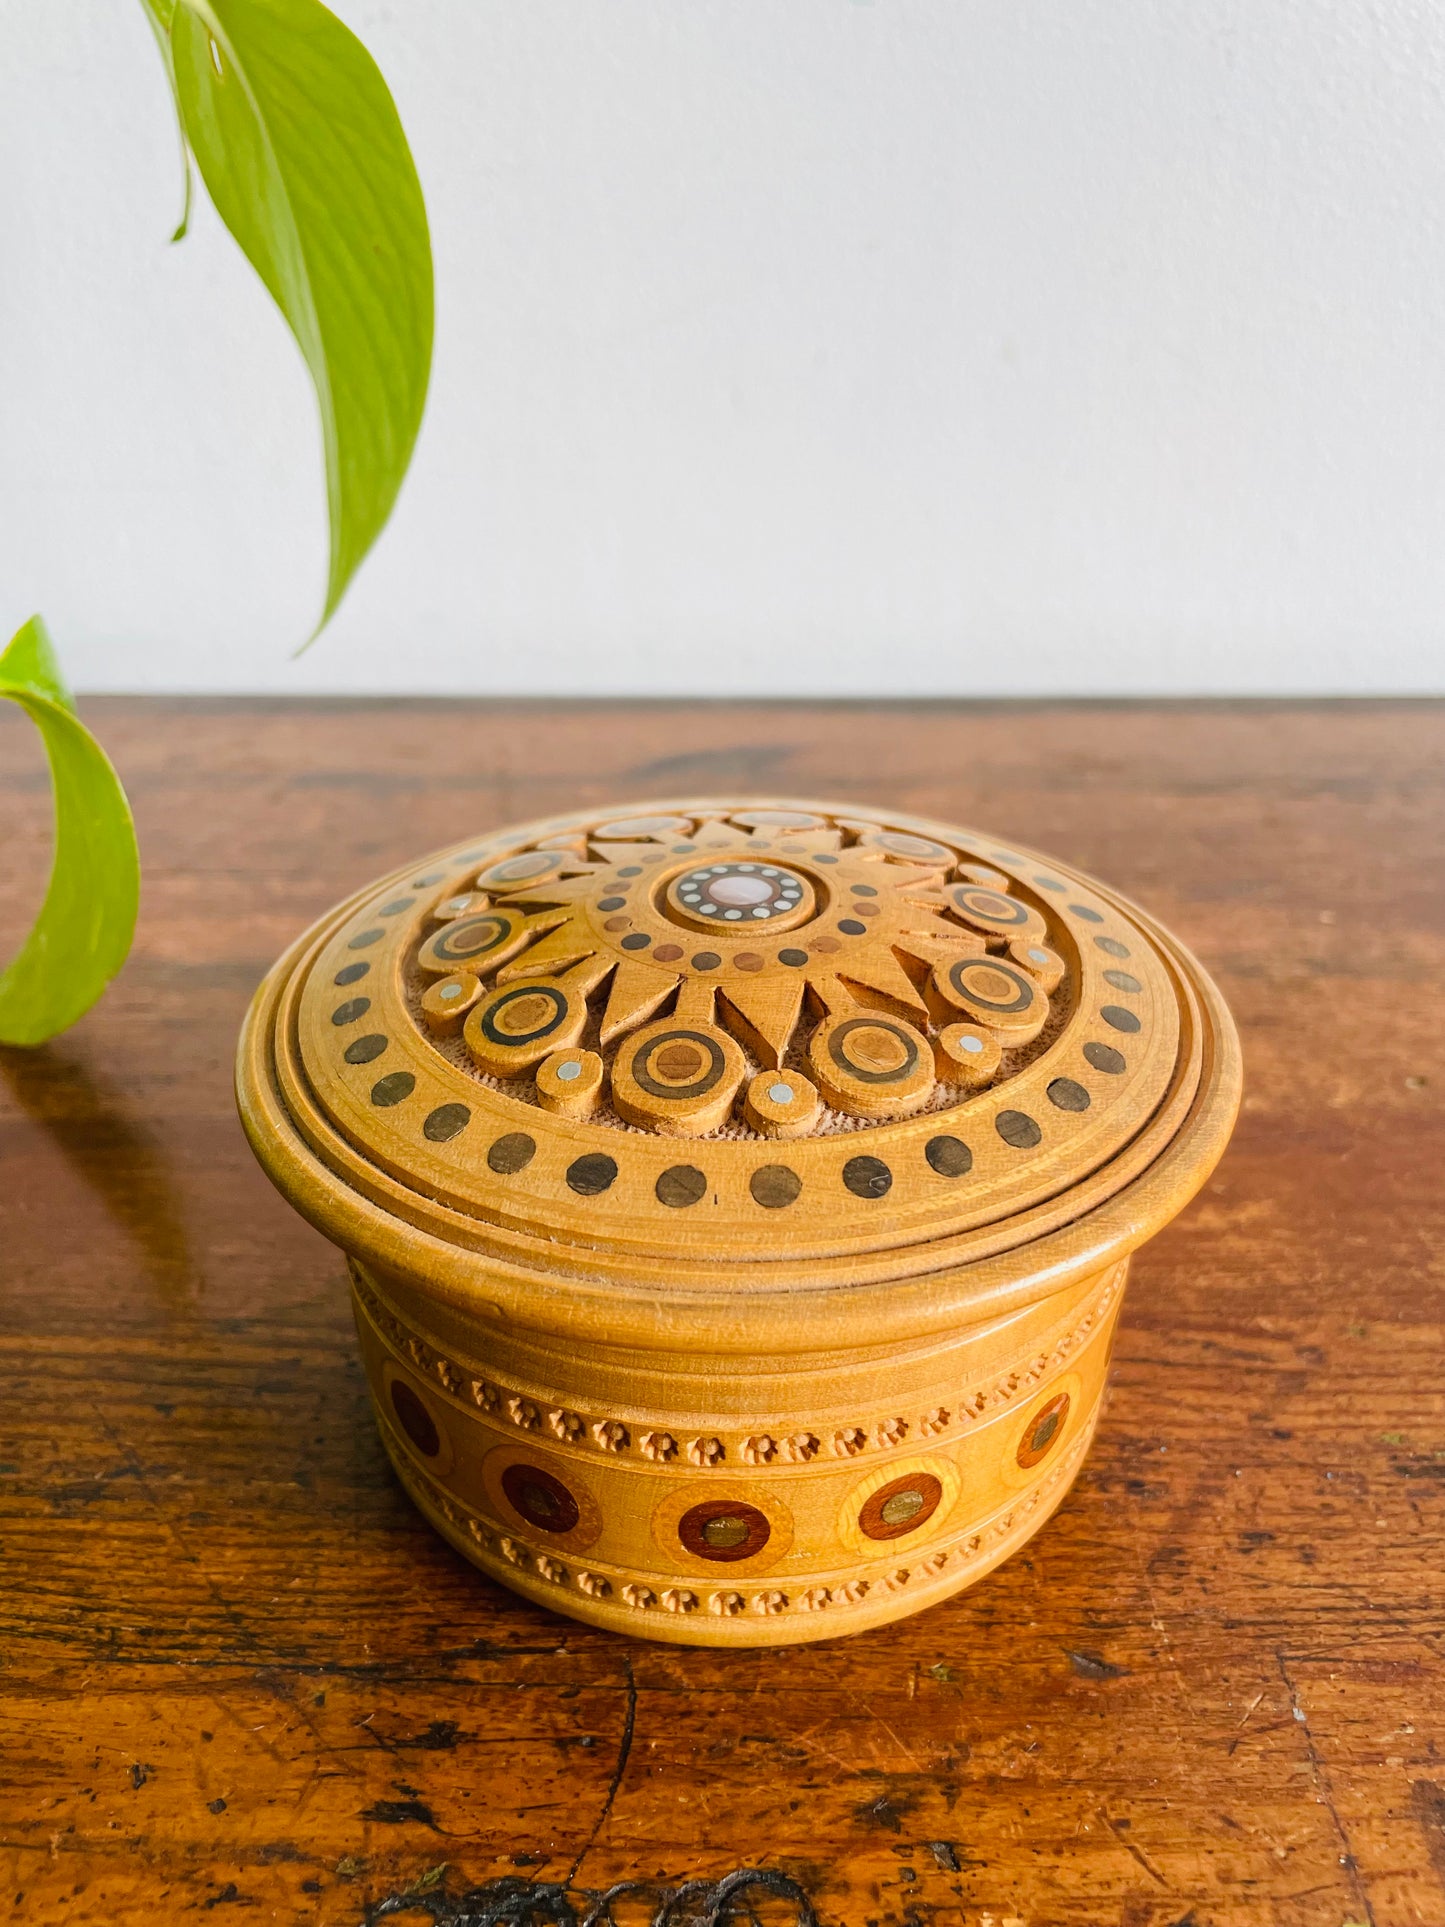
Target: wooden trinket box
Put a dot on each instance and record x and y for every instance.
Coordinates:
(738, 1196)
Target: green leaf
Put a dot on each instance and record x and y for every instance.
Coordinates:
(301, 149)
(159, 13)
(83, 932)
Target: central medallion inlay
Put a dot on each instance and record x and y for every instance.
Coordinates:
(737, 895)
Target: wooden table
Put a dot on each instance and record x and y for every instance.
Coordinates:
(239, 1671)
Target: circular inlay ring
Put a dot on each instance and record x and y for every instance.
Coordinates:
(899, 1505)
(479, 943)
(679, 1063)
(1043, 1431)
(739, 895)
(1021, 1457)
(777, 820)
(991, 993)
(743, 1528)
(993, 914)
(724, 1531)
(541, 1498)
(678, 1079)
(904, 1505)
(529, 1486)
(642, 829)
(870, 1064)
(906, 847)
(527, 867)
(417, 1416)
(516, 1025)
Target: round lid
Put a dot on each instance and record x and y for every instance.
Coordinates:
(726, 1046)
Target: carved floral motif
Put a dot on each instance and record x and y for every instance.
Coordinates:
(756, 1449)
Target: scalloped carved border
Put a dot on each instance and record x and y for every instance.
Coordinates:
(564, 1427)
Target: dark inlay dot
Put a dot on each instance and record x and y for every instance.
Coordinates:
(392, 1088)
(514, 1152)
(395, 908)
(432, 876)
(795, 959)
(365, 939)
(825, 859)
(1044, 1431)
(631, 870)
(541, 1499)
(774, 1185)
(851, 927)
(684, 1184)
(901, 1506)
(1104, 1058)
(724, 1529)
(1121, 980)
(639, 940)
(1065, 1095)
(668, 952)
(1083, 910)
(590, 1175)
(867, 1177)
(446, 1122)
(612, 903)
(678, 849)
(348, 1012)
(1050, 883)
(950, 1157)
(416, 1420)
(1117, 1018)
(361, 1050)
(1018, 1129)
(351, 973)
(1112, 947)
(706, 960)
(863, 890)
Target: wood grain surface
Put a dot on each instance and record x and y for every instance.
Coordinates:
(239, 1671)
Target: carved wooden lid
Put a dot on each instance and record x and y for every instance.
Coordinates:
(724, 1046)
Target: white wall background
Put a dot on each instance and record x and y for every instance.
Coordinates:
(783, 346)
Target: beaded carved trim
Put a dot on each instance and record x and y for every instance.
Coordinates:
(565, 1427)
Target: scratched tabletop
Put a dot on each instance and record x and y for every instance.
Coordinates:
(237, 1670)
